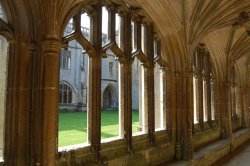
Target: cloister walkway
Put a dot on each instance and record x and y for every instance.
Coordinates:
(241, 157)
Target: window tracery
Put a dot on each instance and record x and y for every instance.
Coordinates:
(110, 29)
(203, 87)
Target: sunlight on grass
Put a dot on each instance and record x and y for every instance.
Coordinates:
(73, 126)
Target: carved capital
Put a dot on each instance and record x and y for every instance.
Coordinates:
(51, 46)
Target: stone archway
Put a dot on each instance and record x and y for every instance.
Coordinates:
(107, 98)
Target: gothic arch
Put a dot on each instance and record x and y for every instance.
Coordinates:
(108, 95)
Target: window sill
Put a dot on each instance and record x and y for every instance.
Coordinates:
(138, 134)
(112, 139)
(160, 130)
(73, 147)
(206, 126)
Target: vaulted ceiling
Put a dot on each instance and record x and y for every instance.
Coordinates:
(222, 25)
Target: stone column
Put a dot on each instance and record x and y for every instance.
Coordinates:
(179, 103)
(216, 102)
(246, 105)
(228, 109)
(17, 91)
(222, 108)
(188, 115)
(172, 120)
(25, 116)
(242, 111)
(45, 117)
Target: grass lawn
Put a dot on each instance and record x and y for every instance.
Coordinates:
(73, 126)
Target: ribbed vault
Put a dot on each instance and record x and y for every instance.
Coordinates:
(222, 25)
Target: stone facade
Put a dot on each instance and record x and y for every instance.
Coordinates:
(74, 73)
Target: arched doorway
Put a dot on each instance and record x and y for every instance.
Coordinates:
(107, 98)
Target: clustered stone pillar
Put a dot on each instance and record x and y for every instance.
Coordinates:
(188, 112)
(46, 118)
(179, 102)
(217, 105)
(228, 109)
(184, 120)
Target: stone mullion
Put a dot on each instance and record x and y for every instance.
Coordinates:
(149, 102)
(137, 36)
(125, 106)
(200, 100)
(126, 84)
(188, 112)
(217, 112)
(111, 25)
(94, 83)
(172, 119)
(48, 126)
(179, 102)
(208, 102)
(149, 76)
(94, 103)
(184, 112)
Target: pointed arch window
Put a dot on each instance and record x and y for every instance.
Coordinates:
(203, 87)
(65, 94)
(105, 37)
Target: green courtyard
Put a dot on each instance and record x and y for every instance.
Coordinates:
(73, 126)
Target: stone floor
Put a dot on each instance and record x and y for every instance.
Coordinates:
(241, 157)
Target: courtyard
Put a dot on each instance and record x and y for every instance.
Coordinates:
(73, 126)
